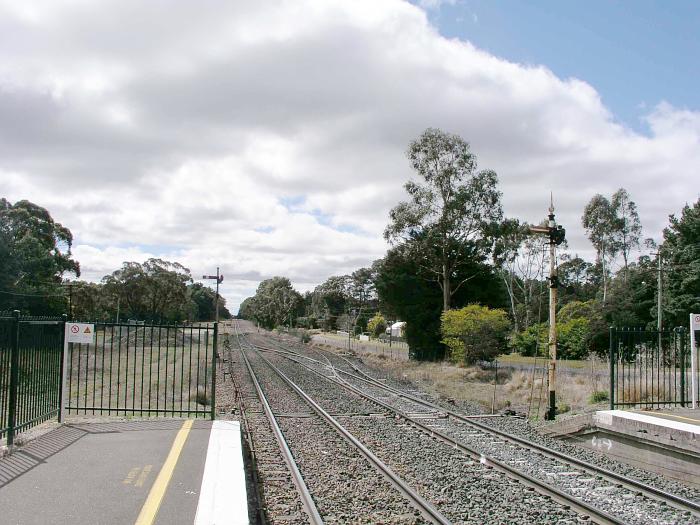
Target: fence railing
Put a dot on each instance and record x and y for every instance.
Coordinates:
(143, 370)
(30, 371)
(649, 368)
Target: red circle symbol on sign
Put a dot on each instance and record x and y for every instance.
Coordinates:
(697, 318)
(74, 329)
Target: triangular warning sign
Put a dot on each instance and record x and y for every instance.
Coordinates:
(87, 330)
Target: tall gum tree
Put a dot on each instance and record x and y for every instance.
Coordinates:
(452, 204)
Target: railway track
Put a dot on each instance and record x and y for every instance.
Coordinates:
(605, 496)
(464, 490)
(296, 431)
(280, 493)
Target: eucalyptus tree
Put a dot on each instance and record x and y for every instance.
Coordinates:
(35, 253)
(628, 227)
(154, 290)
(600, 222)
(520, 258)
(452, 204)
(274, 302)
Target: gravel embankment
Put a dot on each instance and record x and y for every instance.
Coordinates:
(464, 490)
(599, 493)
(344, 485)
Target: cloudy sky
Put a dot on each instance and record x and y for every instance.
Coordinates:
(269, 137)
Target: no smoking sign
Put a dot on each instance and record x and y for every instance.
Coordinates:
(80, 333)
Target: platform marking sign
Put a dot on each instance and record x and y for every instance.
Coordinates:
(694, 326)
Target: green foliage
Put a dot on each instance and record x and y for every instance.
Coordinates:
(681, 252)
(304, 336)
(531, 341)
(452, 206)
(598, 327)
(35, 253)
(376, 325)
(474, 333)
(154, 291)
(599, 396)
(573, 339)
(274, 304)
(407, 289)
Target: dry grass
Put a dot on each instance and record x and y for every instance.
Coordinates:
(520, 390)
(140, 377)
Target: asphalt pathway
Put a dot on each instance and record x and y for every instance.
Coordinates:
(137, 472)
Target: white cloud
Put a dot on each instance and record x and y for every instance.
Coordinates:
(269, 137)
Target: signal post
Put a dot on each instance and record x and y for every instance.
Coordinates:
(556, 235)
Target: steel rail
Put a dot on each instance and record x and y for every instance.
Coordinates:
(426, 508)
(631, 484)
(649, 491)
(261, 514)
(304, 493)
(563, 498)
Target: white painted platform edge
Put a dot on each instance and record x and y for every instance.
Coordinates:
(605, 417)
(222, 497)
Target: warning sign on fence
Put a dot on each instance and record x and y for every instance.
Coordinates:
(80, 333)
(695, 321)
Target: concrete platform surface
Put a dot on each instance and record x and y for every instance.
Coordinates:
(135, 472)
(669, 427)
(683, 415)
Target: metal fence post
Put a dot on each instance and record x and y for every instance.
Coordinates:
(63, 368)
(14, 380)
(213, 373)
(612, 369)
(681, 351)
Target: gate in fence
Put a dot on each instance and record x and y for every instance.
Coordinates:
(143, 370)
(649, 368)
(30, 371)
(127, 369)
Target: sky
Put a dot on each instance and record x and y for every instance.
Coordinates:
(269, 138)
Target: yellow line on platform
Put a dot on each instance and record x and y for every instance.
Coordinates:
(150, 508)
(681, 417)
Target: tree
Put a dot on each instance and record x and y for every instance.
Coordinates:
(275, 302)
(406, 289)
(576, 279)
(329, 300)
(377, 325)
(202, 301)
(453, 205)
(628, 227)
(681, 254)
(155, 290)
(600, 222)
(35, 253)
(474, 333)
(519, 257)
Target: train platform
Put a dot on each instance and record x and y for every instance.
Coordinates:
(165, 471)
(678, 428)
(665, 441)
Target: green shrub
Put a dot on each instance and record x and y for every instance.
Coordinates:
(573, 339)
(599, 396)
(304, 336)
(474, 333)
(377, 325)
(525, 342)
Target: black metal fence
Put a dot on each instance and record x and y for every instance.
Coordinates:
(649, 368)
(130, 369)
(30, 371)
(145, 370)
